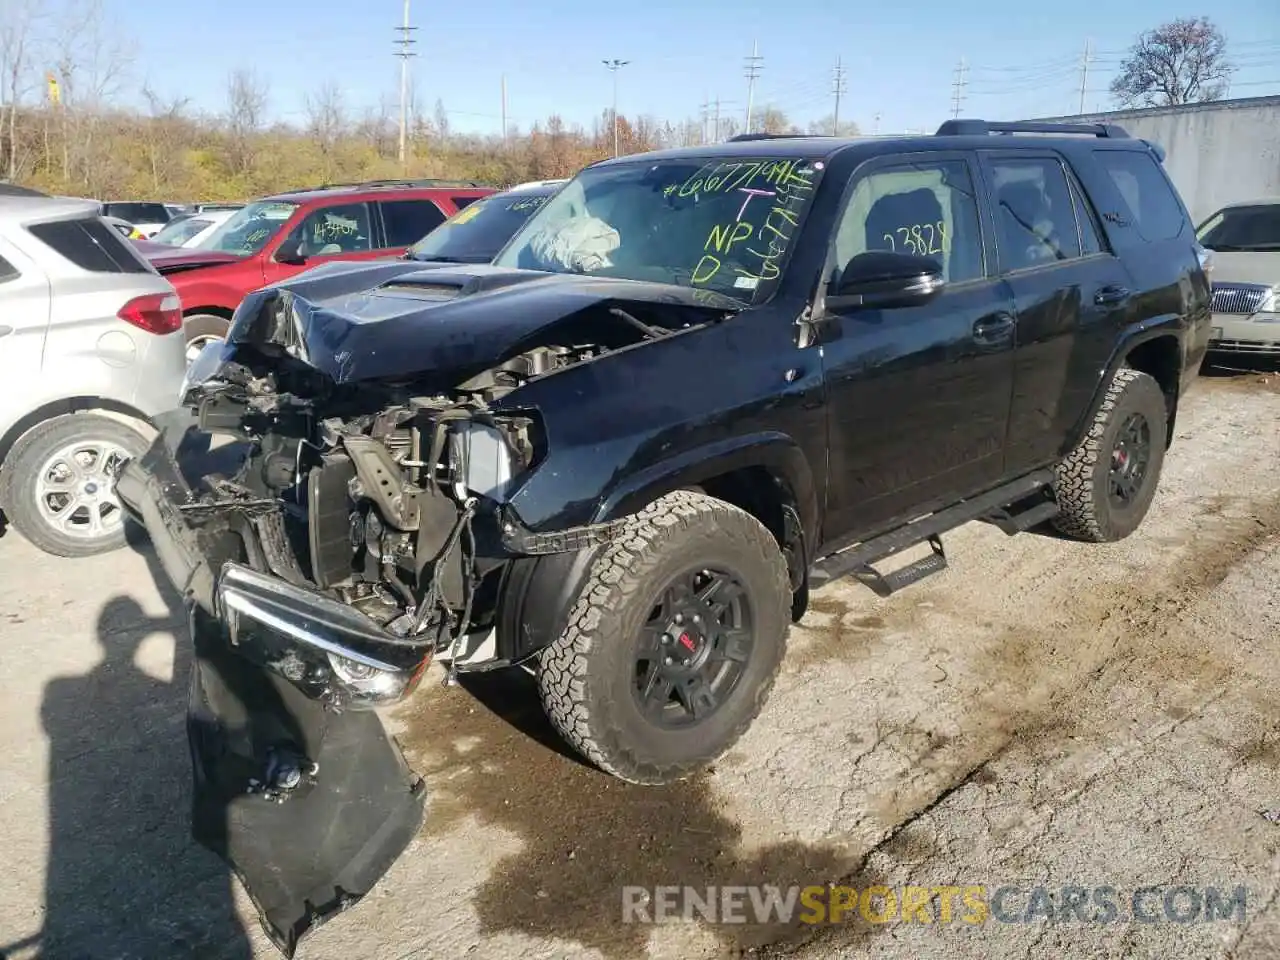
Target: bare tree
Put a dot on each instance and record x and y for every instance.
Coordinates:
(773, 120)
(441, 121)
(18, 23)
(165, 131)
(824, 126)
(1183, 61)
(93, 66)
(246, 108)
(326, 121)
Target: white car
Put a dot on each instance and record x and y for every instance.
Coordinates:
(192, 230)
(92, 355)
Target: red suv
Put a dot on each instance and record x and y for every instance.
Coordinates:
(277, 237)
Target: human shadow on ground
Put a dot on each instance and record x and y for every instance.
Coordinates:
(124, 878)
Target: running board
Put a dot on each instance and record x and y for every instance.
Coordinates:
(996, 505)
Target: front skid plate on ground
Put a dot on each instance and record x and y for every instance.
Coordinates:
(333, 835)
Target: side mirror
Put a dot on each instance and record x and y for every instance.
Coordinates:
(879, 280)
(290, 253)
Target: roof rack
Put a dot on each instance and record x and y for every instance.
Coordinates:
(982, 128)
(376, 184)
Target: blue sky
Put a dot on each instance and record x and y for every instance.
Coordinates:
(899, 58)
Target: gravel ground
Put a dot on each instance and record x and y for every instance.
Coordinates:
(1044, 714)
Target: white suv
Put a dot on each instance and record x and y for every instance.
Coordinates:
(91, 351)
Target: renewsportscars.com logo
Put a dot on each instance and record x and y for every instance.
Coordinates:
(972, 904)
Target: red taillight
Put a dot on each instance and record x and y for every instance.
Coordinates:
(155, 313)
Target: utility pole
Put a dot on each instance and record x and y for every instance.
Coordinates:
(706, 115)
(957, 95)
(1084, 71)
(405, 43)
(504, 109)
(615, 66)
(837, 87)
(875, 130)
(753, 70)
(716, 139)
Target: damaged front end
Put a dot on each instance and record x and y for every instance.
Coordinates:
(332, 535)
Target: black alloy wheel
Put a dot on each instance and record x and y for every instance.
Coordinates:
(694, 649)
(1130, 455)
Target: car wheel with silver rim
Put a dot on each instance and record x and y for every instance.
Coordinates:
(202, 329)
(57, 484)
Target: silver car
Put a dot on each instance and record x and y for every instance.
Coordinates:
(91, 351)
(1245, 240)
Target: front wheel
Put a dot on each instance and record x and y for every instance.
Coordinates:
(1105, 486)
(202, 329)
(57, 485)
(674, 642)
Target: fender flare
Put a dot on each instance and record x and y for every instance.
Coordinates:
(1131, 337)
(538, 591)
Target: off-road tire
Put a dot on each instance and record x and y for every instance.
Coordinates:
(18, 479)
(585, 675)
(1081, 485)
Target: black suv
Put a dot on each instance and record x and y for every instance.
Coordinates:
(696, 384)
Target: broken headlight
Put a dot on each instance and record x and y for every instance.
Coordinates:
(201, 370)
(486, 458)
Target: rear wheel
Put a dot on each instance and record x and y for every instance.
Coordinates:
(674, 642)
(1106, 485)
(201, 329)
(57, 485)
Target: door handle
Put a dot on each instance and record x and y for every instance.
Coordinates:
(994, 329)
(1111, 296)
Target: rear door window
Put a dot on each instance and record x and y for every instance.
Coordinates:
(1035, 216)
(1153, 206)
(91, 245)
(408, 221)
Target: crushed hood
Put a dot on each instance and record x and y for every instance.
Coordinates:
(406, 321)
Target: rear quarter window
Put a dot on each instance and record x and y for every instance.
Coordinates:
(91, 245)
(7, 270)
(1153, 206)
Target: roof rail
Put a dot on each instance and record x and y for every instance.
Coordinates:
(981, 128)
(375, 184)
(744, 137)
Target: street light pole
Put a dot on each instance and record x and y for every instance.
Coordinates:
(615, 66)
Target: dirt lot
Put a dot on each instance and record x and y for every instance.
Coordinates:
(1044, 713)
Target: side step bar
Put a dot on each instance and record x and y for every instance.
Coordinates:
(1014, 507)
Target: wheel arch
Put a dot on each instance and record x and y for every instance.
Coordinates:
(58, 408)
(1154, 349)
(765, 475)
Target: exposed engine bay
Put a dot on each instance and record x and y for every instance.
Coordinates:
(382, 498)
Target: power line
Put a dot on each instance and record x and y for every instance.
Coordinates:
(957, 92)
(754, 64)
(405, 43)
(838, 88)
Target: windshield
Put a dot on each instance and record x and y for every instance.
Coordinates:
(476, 233)
(248, 229)
(1242, 228)
(723, 224)
(178, 232)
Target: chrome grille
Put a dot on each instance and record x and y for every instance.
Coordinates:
(1238, 297)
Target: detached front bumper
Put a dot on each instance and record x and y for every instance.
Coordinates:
(328, 650)
(309, 803)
